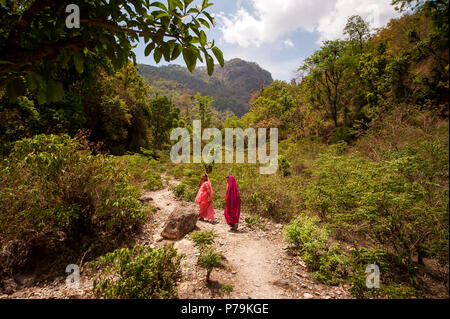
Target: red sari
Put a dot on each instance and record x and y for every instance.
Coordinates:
(206, 208)
(233, 202)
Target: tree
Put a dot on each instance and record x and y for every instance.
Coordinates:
(325, 71)
(204, 109)
(357, 30)
(164, 117)
(33, 34)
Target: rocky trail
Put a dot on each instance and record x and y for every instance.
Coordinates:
(255, 261)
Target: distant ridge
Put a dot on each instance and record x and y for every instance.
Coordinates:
(230, 86)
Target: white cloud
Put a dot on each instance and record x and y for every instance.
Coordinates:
(281, 69)
(270, 20)
(377, 13)
(288, 43)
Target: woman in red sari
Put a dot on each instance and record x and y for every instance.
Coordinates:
(204, 199)
(233, 204)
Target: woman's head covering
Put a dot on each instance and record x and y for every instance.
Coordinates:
(233, 202)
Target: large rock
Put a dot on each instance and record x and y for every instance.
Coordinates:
(14, 254)
(179, 223)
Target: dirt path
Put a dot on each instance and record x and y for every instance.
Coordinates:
(255, 261)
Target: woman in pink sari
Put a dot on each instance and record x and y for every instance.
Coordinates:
(204, 199)
(233, 204)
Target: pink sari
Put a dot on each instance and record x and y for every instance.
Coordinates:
(206, 209)
(233, 202)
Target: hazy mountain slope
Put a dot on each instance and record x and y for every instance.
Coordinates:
(230, 86)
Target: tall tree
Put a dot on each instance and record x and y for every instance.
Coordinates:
(325, 71)
(34, 34)
(357, 30)
(164, 117)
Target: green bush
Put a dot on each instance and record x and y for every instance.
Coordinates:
(141, 167)
(153, 181)
(333, 267)
(227, 289)
(342, 133)
(203, 238)
(178, 190)
(185, 192)
(209, 259)
(139, 273)
(400, 202)
(284, 165)
(52, 184)
(305, 234)
(256, 221)
(324, 258)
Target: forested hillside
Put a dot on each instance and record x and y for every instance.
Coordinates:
(86, 177)
(230, 87)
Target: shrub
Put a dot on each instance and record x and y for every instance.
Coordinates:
(305, 234)
(342, 133)
(185, 191)
(203, 238)
(139, 273)
(141, 167)
(400, 202)
(284, 165)
(52, 184)
(153, 181)
(326, 261)
(178, 190)
(227, 289)
(333, 266)
(256, 221)
(209, 259)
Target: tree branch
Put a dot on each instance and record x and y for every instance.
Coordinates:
(108, 25)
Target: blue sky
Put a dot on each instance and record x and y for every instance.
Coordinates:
(279, 35)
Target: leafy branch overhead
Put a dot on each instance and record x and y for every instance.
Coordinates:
(34, 39)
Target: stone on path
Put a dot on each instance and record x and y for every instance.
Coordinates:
(307, 296)
(179, 223)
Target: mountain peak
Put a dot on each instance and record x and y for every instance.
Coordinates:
(230, 86)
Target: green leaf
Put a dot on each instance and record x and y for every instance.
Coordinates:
(78, 59)
(157, 54)
(176, 51)
(209, 64)
(204, 22)
(149, 48)
(167, 49)
(159, 5)
(219, 56)
(213, 21)
(42, 96)
(190, 57)
(202, 38)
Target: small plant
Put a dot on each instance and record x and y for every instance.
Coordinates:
(153, 185)
(227, 289)
(323, 257)
(209, 259)
(203, 238)
(256, 221)
(284, 165)
(138, 273)
(178, 190)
